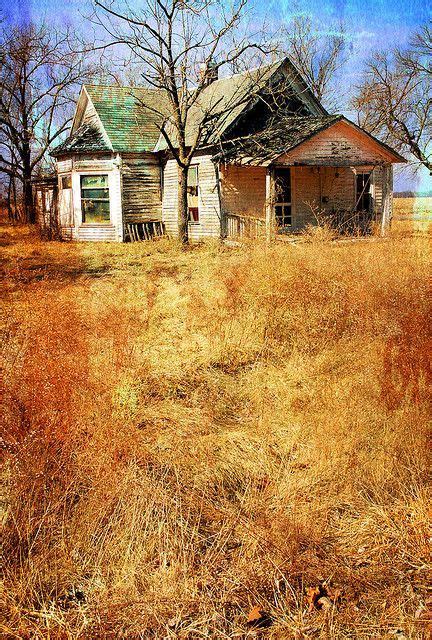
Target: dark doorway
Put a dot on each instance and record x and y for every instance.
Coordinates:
(363, 192)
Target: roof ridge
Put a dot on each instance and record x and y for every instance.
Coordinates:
(242, 73)
(233, 75)
(113, 86)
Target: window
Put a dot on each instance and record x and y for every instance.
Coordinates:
(283, 211)
(66, 182)
(363, 192)
(193, 187)
(95, 199)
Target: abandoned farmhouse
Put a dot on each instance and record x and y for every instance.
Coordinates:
(272, 160)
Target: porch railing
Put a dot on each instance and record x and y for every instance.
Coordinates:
(245, 226)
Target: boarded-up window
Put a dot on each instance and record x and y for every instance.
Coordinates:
(363, 192)
(193, 189)
(95, 199)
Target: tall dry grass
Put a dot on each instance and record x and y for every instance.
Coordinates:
(191, 435)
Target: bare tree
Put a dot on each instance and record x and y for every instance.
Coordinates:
(394, 100)
(317, 54)
(180, 45)
(39, 76)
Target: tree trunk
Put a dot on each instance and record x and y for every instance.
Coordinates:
(9, 201)
(183, 211)
(29, 208)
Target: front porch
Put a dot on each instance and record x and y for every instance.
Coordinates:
(281, 199)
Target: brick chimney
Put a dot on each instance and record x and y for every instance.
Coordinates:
(211, 74)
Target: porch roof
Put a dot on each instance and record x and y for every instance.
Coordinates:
(283, 135)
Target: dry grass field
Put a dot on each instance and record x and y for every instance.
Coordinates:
(412, 214)
(216, 443)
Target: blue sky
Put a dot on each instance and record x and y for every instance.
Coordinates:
(369, 24)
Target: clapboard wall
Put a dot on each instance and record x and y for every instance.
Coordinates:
(70, 211)
(339, 145)
(209, 225)
(243, 190)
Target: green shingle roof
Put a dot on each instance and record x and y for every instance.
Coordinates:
(86, 138)
(129, 115)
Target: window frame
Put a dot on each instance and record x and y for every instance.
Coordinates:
(360, 198)
(197, 208)
(283, 204)
(82, 176)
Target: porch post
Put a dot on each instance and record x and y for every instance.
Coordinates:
(387, 197)
(269, 203)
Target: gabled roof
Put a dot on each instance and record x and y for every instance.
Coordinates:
(127, 120)
(224, 100)
(129, 125)
(283, 135)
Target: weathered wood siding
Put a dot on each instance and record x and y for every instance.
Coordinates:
(65, 207)
(170, 198)
(378, 177)
(64, 165)
(209, 225)
(141, 188)
(320, 189)
(89, 116)
(339, 145)
(46, 206)
(243, 190)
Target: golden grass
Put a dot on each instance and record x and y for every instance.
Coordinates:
(412, 215)
(193, 434)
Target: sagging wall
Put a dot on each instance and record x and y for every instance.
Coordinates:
(70, 212)
(141, 188)
(243, 190)
(46, 204)
(209, 225)
(320, 189)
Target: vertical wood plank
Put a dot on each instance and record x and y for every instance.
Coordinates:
(269, 187)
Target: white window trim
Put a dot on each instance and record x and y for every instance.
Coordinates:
(195, 223)
(96, 224)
